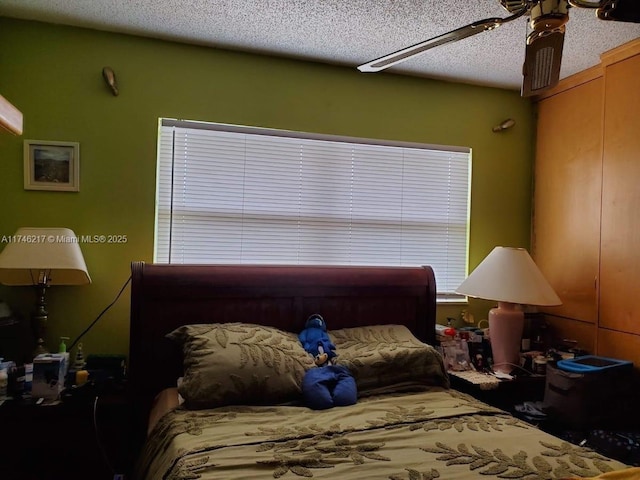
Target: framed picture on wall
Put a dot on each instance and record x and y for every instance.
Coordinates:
(51, 166)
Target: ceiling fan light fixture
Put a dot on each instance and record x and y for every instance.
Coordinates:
(513, 6)
(549, 15)
(543, 56)
(587, 3)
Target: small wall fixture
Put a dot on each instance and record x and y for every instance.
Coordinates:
(508, 123)
(110, 78)
(10, 117)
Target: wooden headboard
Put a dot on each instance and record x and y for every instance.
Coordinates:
(163, 297)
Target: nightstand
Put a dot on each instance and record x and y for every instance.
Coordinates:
(620, 439)
(59, 440)
(503, 394)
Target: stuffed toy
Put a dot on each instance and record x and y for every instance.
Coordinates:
(316, 341)
(331, 385)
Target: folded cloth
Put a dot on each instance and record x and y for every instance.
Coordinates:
(626, 474)
(329, 386)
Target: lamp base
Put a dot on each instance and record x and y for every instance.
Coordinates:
(40, 348)
(39, 320)
(506, 324)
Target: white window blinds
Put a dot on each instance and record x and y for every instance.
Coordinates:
(229, 194)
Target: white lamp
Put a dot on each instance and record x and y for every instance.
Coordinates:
(41, 257)
(509, 276)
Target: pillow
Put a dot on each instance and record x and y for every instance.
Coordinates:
(385, 358)
(239, 364)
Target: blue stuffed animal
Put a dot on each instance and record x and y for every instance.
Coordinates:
(329, 386)
(316, 341)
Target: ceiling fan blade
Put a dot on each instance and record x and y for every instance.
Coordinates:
(453, 36)
(543, 57)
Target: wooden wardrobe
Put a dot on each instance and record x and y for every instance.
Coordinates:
(586, 218)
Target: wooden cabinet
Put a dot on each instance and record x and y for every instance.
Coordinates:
(620, 251)
(567, 190)
(586, 219)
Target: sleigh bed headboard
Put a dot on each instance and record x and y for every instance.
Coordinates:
(163, 297)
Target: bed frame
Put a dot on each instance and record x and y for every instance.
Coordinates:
(164, 297)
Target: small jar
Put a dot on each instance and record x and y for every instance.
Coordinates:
(540, 365)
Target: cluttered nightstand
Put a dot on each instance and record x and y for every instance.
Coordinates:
(500, 393)
(78, 438)
(602, 418)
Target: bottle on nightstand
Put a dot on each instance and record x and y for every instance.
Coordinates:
(79, 362)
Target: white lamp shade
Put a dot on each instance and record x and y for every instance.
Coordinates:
(509, 275)
(54, 251)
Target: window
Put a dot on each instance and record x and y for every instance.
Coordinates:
(231, 194)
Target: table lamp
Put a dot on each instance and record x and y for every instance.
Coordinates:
(41, 257)
(510, 277)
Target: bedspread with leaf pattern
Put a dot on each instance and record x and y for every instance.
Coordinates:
(435, 434)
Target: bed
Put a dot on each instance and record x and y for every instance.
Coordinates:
(229, 334)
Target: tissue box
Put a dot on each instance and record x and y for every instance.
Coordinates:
(49, 371)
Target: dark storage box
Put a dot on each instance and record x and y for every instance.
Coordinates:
(591, 364)
(588, 400)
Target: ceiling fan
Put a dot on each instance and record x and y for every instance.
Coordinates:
(543, 51)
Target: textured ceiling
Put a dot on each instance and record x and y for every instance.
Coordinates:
(343, 32)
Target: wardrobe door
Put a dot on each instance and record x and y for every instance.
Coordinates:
(567, 196)
(620, 252)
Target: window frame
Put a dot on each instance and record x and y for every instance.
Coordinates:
(164, 123)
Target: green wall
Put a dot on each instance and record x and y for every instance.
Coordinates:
(53, 74)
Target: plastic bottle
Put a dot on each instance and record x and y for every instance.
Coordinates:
(79, 362)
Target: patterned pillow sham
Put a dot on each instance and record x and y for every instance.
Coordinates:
(239, 364)
(387, 358)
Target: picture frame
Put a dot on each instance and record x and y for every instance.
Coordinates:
(51, 165)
